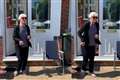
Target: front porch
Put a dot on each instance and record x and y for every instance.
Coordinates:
(53, 73)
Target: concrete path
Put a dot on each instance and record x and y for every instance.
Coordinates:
(55, 73)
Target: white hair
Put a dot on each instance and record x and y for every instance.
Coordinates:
(93, 14)
(22, 15)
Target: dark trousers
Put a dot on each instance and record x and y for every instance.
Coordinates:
(88, 58)
(22, 55)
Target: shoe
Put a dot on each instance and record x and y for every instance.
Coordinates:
(16, 73)
(93, 75)
(24, 72)
(87, 72)
(71, 70)
(82, 70)
(21, 71)
(82, 73)
(77, 69)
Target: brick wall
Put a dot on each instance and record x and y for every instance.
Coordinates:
(64, 15)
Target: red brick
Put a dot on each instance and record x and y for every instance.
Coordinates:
(64, 15)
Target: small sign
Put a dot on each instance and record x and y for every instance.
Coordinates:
(111, 30)
(40, 30)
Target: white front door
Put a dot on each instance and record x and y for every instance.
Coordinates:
(109, 26)
(44, 23)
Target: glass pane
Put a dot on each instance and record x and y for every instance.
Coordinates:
(41, 14)
(111, 14)
(92, 1)
(13, 9)
(86, 6)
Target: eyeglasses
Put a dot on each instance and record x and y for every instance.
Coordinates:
(94, 17)
(23, 17)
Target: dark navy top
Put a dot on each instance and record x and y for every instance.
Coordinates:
(23, 36)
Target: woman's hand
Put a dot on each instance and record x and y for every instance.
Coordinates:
(82, 43)
(29, 37)
(21, 43)
(96, 36)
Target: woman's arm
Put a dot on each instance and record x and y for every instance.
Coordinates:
(81, 33)
(15, 34)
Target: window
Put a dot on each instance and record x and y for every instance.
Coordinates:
(86, 6)
(41, 14)
(111, 14)
(13, 9)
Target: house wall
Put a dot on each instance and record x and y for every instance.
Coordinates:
(1, 50)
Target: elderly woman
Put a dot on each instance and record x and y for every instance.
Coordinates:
(89, 36)
(22, 37)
